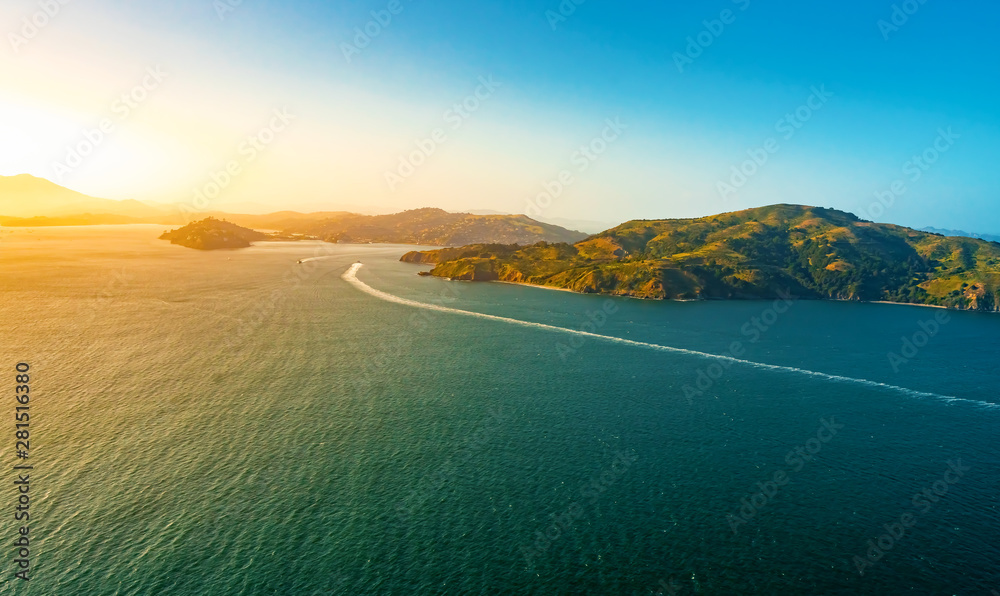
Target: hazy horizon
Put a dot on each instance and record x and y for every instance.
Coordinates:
(581, 224)
(615, 112)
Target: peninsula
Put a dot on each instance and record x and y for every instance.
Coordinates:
(811, 252)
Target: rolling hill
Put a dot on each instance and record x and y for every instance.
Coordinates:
(29, 201)
(809, 251)
(213, 234)
(26, 196)
(944, 232)
(433, 227)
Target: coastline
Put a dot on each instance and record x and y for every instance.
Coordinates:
(527, 285)
(923, 305)
(540, 287)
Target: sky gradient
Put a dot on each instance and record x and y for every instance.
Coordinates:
(616, 110)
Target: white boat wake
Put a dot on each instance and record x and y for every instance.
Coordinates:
(351, 277)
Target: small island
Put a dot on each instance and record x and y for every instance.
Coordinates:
(213, 234)
(809, 252)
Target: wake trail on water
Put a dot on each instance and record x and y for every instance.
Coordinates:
(351, 277)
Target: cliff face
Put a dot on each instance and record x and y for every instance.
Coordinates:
(470, 270)
(808, 251)
(980, 298)
(418, 257)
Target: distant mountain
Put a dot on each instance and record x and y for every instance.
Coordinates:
(434, 227)
(29, 201)
(283, 220)
(586, 225)
(26, 196)
(808, 252)
(213, 234)
(988, 237)
(87, 219)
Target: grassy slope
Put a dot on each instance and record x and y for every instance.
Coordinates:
(810, 251)
(435, 227)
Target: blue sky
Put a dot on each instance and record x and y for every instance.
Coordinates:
(889, 91)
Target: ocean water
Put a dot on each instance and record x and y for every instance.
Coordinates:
(237, 422)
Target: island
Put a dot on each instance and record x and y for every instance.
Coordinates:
(213, 234)
(809, 252)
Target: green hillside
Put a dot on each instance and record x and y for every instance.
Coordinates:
(434, 227)
(809, 251)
